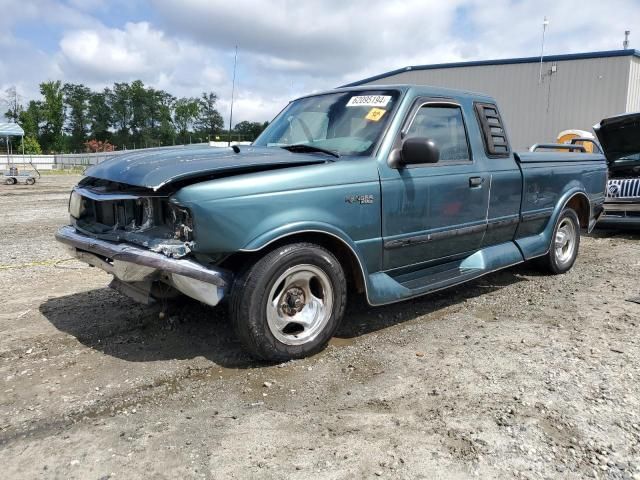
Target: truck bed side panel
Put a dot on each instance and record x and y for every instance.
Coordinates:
(549, 181)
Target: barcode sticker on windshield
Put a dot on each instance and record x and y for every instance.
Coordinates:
(369, 101)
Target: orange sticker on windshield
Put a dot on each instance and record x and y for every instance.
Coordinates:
(375, 114)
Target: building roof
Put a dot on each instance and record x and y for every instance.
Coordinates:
(10, 130)
(504, 61)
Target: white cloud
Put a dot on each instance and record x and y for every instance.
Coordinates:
(140, 51)
(23, 66)
(320, 38)
(288, 48)
(331, 37)
(135, 50)
(253, 106)
(87, 5)
(43, 12)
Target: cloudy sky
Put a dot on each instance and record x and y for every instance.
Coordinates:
(286, 47)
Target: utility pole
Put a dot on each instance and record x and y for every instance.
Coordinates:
(625, 44)
(233, 91)
(545, 24)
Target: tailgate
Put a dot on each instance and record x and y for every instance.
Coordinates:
(619, 136)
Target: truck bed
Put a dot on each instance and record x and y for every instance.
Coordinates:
(557, 157)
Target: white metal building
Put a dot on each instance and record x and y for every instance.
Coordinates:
(576, 91)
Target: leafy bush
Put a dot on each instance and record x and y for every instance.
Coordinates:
(31, 146)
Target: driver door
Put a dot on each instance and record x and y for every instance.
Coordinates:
(434, 212)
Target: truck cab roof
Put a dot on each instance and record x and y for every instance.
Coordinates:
(414, 91)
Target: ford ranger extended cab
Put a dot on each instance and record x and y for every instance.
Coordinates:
(393, 191)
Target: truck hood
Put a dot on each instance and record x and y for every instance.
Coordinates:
(155, 168)
(619, 136)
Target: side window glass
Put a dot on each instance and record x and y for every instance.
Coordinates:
(445, 126)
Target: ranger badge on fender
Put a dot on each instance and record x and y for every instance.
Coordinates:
(361, 199)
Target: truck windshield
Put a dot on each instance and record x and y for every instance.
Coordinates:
(345, 123)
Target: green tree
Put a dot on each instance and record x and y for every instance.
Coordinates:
(119, 101)
(100, 116)
(184, 115)
(31, 146)
(76, 99)
(68, 117)
(153, 116)
(139, 105)
(31, 119)
(209, 121)
(249, 131)
(142, 116)
(53, 116)
(166, 133)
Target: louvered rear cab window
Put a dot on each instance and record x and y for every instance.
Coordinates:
(495, 139)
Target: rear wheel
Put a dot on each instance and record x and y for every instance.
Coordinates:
(11, 181)
(289, 303)
(564, 243)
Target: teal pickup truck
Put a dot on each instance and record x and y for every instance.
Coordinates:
(393, 192)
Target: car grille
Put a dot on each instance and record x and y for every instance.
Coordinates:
(623, 188)
(122, 213)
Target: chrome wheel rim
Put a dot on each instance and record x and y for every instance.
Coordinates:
(299, 304)
(565, 241)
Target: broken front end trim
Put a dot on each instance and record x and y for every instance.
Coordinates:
(137, 267)
(148, 220)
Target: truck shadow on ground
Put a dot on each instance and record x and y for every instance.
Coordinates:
(627, 233)
(114, 325)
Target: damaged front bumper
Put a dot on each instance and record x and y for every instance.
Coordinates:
(136, 269)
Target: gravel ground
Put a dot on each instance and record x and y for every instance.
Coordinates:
(516, 375)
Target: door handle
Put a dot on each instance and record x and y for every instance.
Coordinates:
(475, 182)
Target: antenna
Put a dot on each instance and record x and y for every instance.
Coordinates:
(625, 44)
(545, 24)
(233, 91)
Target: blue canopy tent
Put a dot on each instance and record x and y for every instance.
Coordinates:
(8, 130)
(11, 130)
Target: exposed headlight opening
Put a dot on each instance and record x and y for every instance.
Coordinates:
(76, 205)
(179, 219)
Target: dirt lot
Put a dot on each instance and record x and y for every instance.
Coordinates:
(517, 375)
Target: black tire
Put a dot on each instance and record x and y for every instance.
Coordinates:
(30, 181)
(11, 181)
(250, 301)
(562, 256)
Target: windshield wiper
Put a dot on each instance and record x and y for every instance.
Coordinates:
(304, 147)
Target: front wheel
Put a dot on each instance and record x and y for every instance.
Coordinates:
(565, 243)
(289, 303)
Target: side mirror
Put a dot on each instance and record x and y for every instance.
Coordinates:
(415, 151)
